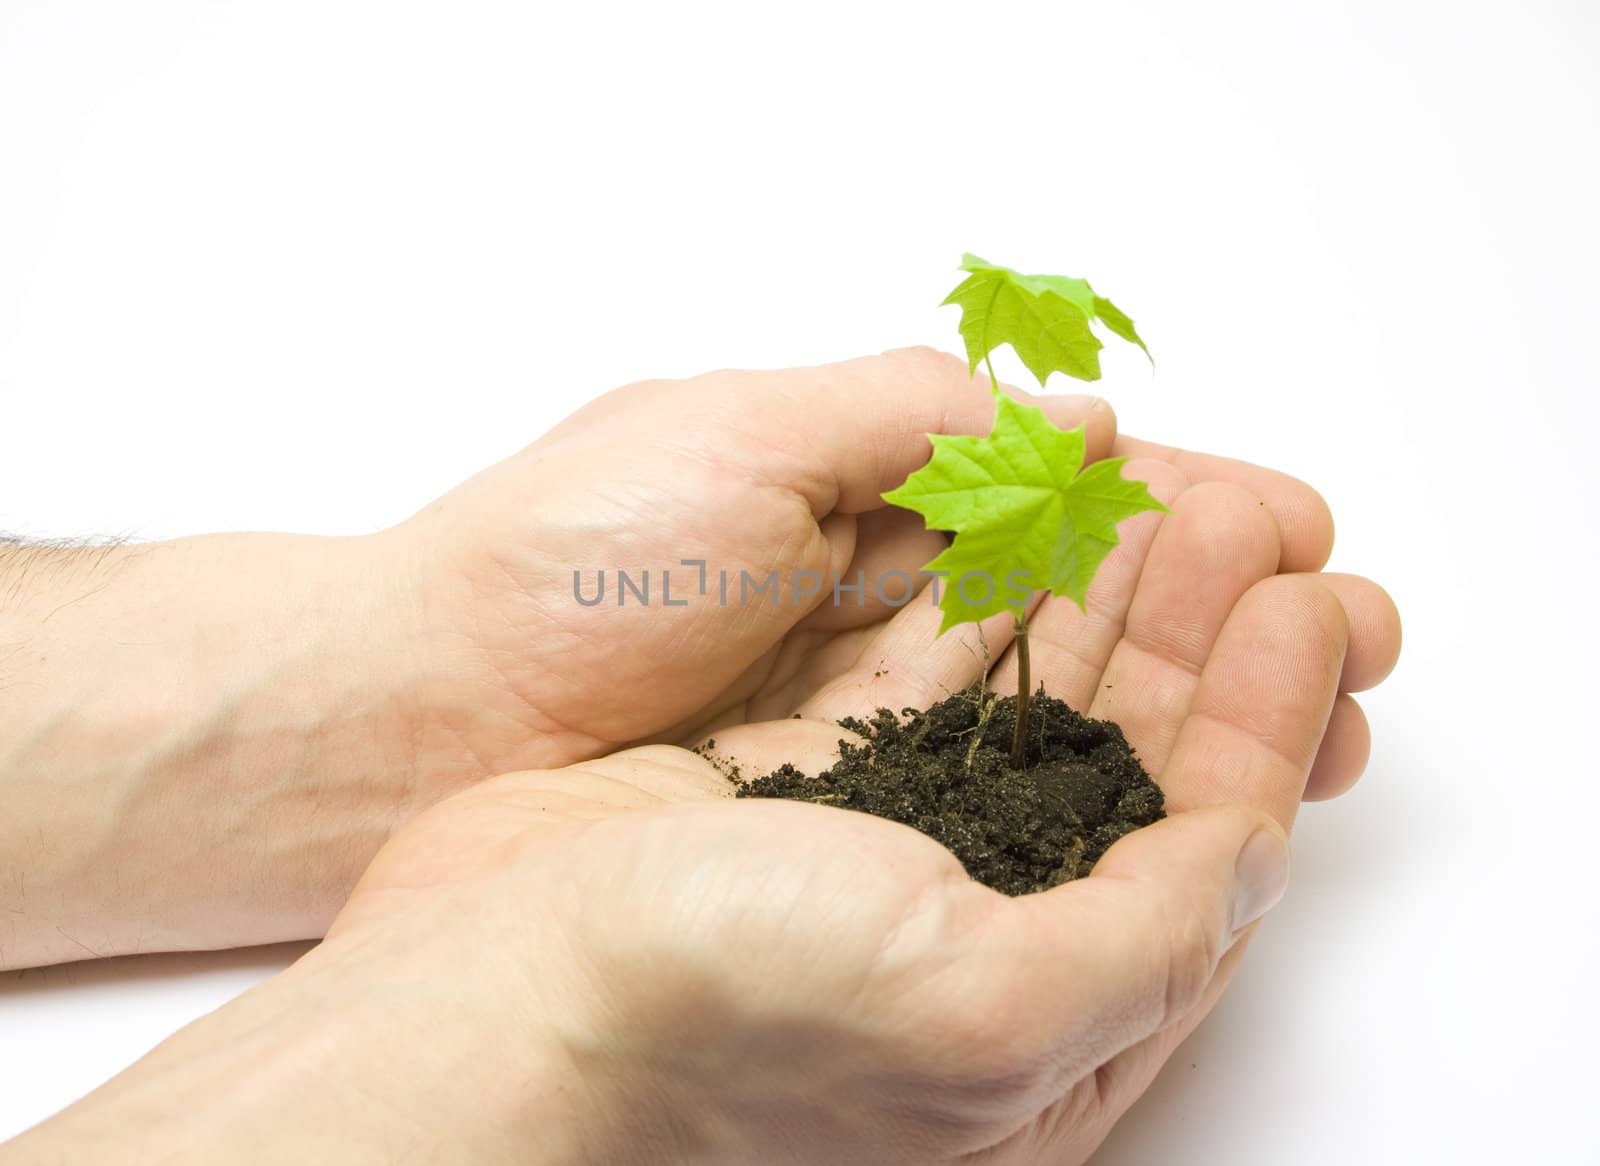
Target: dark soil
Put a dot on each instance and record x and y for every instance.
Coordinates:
(1014, 830)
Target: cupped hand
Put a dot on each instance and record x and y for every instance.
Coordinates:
(760, 981)
(779, 983)
(780, 473)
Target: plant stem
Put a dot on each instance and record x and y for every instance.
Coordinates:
(1019, 734)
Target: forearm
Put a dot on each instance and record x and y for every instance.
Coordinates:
(201, 741)
(350, 1057)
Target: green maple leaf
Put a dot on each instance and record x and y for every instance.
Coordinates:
(1045, 319)
(1026, 515)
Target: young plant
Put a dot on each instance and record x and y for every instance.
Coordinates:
(1027, 515)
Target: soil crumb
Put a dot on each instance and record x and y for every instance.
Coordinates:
(1016, 830)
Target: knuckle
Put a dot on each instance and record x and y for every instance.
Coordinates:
(926, 363)
(1194, 946)
(1317, 518)
(1166, 481)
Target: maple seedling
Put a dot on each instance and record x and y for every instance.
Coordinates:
(1026, 514)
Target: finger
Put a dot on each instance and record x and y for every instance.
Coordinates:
(906, 663)
(767, 660)
(1374, 631)
(1304, 521)
(1071, 647)
(1262, 703)
(1342, 757)
(1099, 964)
(891, 547)
(842, 434)
(735, 704)
(1217, 543)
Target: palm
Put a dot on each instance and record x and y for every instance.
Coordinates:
(788, 914)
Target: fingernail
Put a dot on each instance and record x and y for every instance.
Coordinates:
(1260, 876)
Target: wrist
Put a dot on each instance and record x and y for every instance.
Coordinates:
(504, 681)
(357, 1054)
(220, 722)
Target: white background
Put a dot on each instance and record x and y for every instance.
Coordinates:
(302, 266)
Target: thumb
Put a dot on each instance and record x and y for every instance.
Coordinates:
(841, 434)
(1130, 950)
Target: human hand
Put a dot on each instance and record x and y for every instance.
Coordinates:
(782, 983)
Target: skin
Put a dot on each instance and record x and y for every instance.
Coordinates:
(658, 974)
(236, 723)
